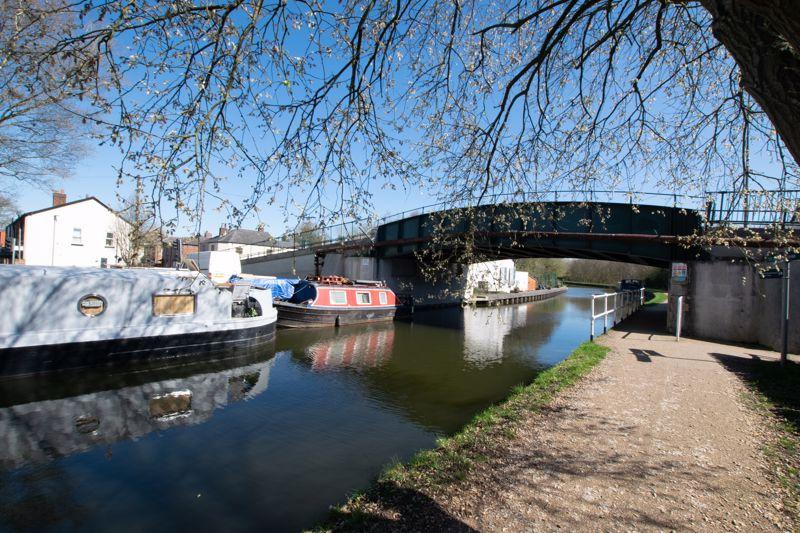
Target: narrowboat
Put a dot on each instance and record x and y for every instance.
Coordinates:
(332, 301)
(54, 318)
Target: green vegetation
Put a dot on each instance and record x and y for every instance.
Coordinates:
(454, 456)
(773, 391)
(657, 298)
(594, 272)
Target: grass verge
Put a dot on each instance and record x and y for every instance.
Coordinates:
(401, 485)
(773, 392)
(657, 298)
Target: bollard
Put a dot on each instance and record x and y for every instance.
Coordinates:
(679, 319)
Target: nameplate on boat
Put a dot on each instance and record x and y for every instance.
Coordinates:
(173, 304)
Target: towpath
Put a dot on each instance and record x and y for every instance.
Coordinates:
(658, 437)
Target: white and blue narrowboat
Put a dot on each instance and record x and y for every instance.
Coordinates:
(54, 318)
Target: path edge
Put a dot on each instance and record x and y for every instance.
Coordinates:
(454, 457)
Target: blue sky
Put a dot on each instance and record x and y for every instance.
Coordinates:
(96, 175)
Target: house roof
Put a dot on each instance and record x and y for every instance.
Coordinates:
(29, 213)
(243, 236)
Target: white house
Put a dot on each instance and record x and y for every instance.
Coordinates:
(245, 242)
(80, 233)
(495, 276)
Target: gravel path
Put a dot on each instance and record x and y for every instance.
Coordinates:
(657, 438)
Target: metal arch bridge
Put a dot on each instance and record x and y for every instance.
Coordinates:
(634, 233)
(646, 228)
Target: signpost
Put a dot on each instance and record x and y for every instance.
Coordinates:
(785, 311)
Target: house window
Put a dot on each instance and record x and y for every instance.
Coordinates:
(109, 239)
(382, 298)
(362, 298)
(76, 237)
(239, 250)
(338, 298)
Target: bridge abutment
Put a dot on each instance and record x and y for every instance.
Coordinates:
(726, 299)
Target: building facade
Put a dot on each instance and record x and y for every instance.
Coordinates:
(245, 242)
(84, 232)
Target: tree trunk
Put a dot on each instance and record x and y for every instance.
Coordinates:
(763, 37)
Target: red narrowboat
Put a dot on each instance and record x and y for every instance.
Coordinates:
(336, 301)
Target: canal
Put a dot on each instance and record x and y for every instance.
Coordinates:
(266, 440)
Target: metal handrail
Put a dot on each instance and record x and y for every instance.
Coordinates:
(625, 304)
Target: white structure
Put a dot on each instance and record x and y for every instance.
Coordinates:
(491, 276)
(521, 281)
(81, 233)
(245, 242)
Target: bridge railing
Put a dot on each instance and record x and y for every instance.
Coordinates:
(565, 195)
(319, 237)
(623, 304)
(754, 208)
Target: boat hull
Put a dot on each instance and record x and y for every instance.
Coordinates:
(300, 316)
(217, 344)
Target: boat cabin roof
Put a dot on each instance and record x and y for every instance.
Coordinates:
(8, 273)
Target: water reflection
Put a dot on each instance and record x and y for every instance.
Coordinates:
(485, 332)
(47, 429)
(360, 349)
(263, 441)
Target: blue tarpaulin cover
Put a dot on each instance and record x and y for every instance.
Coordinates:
(282, 288)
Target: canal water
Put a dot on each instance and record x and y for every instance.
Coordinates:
(264, 441)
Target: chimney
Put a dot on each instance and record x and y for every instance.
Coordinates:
(59, 198)
(223, 229)
(260, 227)
(207, 235)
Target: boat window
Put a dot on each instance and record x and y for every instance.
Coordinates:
(382, 298)
(173, 304)
(92, 305)
(363, 298)
(338, 298)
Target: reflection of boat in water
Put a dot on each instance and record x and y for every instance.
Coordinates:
(52, 428)
(53, 318)
(365, 349)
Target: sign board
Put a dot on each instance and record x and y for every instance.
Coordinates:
(680, 272)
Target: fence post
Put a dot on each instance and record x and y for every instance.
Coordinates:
(679, 319)
(591, 332)
(605, 314)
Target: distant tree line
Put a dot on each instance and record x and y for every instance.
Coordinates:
(594, 271)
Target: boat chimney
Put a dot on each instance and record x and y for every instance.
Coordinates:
(59, 198)
(223, 229)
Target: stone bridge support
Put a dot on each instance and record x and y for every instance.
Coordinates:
(726, 299)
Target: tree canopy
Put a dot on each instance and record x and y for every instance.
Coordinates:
(468, 99)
